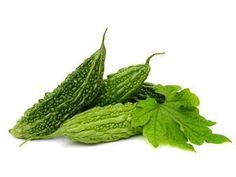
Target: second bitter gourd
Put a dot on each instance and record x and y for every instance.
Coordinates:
(122, 85)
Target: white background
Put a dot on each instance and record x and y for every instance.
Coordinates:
(42, 41)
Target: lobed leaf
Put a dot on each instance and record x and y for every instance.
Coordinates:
(177, 120)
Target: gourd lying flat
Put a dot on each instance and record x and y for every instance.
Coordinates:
(77, 91)
(100, 124)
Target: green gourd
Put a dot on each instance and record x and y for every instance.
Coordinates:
(77, 91)
(121, 86)
(99, 124)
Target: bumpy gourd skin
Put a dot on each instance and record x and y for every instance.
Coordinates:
(77, 91)
(100, 124)
(120, 86)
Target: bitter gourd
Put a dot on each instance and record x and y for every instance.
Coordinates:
(77, 91)
(120, 86)
(99, 124)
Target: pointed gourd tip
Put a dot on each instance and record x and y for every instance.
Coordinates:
(228, 140)
(103, 37)
(12, 132)
(150, 57)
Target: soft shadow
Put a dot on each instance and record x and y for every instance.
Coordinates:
(64, 142)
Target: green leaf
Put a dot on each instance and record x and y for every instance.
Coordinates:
(175, 96)
(177, 120)
(218, 139)
(154, 130)
(146, 110)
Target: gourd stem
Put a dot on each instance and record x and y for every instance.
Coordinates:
(103, 37)
(150, 57)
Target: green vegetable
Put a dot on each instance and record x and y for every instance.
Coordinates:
(121, 86)
(166, 114)
(176, 121)
(100, 124)
(77, 91)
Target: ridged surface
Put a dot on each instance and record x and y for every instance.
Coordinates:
(100, 124)
(120, 86)
(77, 91)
